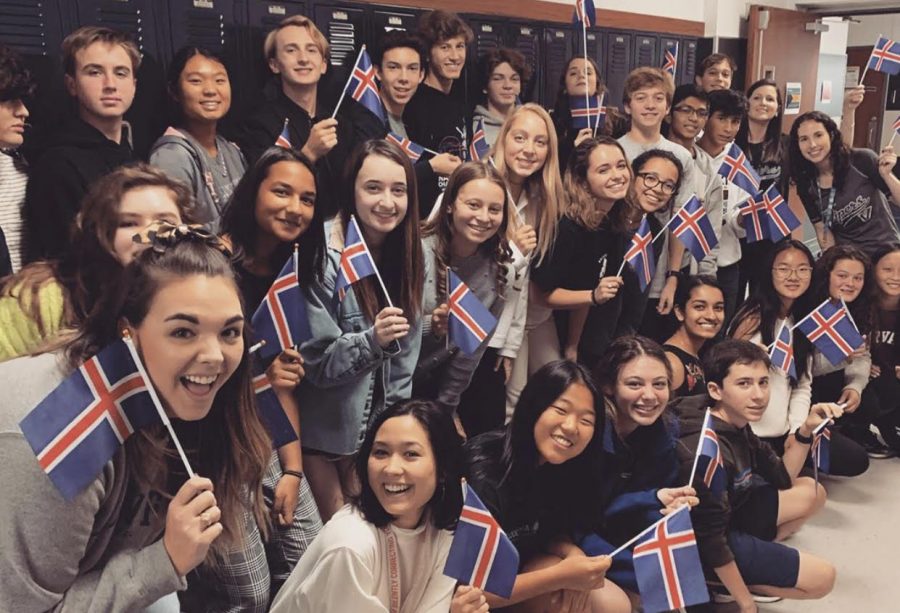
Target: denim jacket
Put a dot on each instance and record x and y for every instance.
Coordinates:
(349, 377)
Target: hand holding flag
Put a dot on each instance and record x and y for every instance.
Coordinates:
(586, 111)
(832, 330)
(361, 86)
(692, 227)
(356, 262)
(885, 57)
(281, 319)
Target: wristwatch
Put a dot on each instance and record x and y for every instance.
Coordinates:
(673, 273)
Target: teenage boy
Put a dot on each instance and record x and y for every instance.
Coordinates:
(648, 98)
(715, 72)
(100, 65)
(298, 54)
(727, 108)
(400, 66)
(739, 530)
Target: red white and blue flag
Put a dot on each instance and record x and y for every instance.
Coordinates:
(362, 86)
(667, 565)
(736, 169)
(821, 448)
(754, 218)
(412, 150)
(692, 227)
(481, 555)
(832, 330)
(356, 261)
(479, 147)
(670, 59)
(640, 254)
(782, 353)
(896, 126)
(281, 318)
(273, 416)
(780, 217)
(586, 112)
(585, 13)
(709, 455)
(885, 56)
(81, 424)
(284, 139)
(469, 322)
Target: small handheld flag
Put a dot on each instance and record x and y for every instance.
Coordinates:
(781, 219)
(782, 352)
(885, 57)
(411, 149)
(670, 60)
(356, 261)
(754, 219)
(361, 86)
(585, 13)
(284, 139)
(281, 319)
(78, 427)
(470, 322)
(896, 130)
(667, 565)
(481, 555)
(640, 254)
(831, 329)
(692, 227)
(273, 416)
(479, 148)
(736, 169)
(586, 111)
(709, 458)
(821, 448)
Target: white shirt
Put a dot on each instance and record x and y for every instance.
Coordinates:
(13, 181)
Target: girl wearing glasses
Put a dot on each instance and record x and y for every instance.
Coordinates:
(843, 190)
(781, 299)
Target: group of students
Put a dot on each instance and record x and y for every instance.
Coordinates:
(580, 412)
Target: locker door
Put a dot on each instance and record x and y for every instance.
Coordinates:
(687, 63)
(526, 40)
(488, 35)
(206, 23)
(136, 17)
(345, 28)
(645, 51)
(618, 64)
(557, 50)
(669, 43)
(594, 41)
(386, 19)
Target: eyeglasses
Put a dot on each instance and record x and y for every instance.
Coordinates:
(784, 272)
(687, 110)
(652, 182)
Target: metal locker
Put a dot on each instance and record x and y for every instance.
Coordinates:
(645, 51)
(30, 27)
(669, 43)
(262, 16)
(557, 51)
(618, 64)
(206, 23)
(526, 40)
(386, 19)
(687, 62)
(136, 17)
(344, 26)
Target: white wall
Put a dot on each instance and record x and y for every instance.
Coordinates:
(865, 33)
(692, 10)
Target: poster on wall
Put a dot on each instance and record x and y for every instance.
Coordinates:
(825, 96)
(792, 92)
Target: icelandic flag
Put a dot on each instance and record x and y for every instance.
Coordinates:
(832, 330)
(78, 427)
(281, 318)
(821, 448)
(412, 150)
(356, 261)
(753, 216)
(736, 169)
(362, 87)
(479, 148)
(710, 457)
(481, 554)
(585, 13)
(273, 416)
(885, 56)
(640, 254)
(667, 565)
(781, 219)
(782, 353)
(670, 63)
(586, 112)
(692, 227)
(284, 139)
(469, 321)
(896, 126)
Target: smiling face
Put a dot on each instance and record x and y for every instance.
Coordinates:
(814, 141)
(664, 174)
(887, 275)
(191, 342)
(476, 214)
(448, 57)
(12, 123)
(744, 393)
(402, 470)
(526, 145)
(688, 118)
(703, 313)
(608, 175)
(791, 273)
(846, 280)
(400, 74)
(104, 81)
(565, 428)
(648, 107)
(503, 86)
(763, 104)
(298, 59)
(581, 78)
(285, 201)
(381, 196)
(717, 76)
(204, 90)
(721, 129)
(139, 209)
(641, 393)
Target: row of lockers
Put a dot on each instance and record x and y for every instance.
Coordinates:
(236, 28)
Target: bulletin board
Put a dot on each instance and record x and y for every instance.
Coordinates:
(832, 68)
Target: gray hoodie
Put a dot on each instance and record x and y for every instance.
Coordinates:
(492, 123)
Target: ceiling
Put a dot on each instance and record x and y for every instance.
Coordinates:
(850, 7)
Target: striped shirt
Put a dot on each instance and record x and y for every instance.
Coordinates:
(13, 180)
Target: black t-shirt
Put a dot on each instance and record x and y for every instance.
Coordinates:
(884, 347)
(769, 171)
(694, 379)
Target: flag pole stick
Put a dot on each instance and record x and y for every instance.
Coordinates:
(645, 531)
(866, 69)
(587, 98)
(599, 110)
(847, 310)
(254, 348)
(126, 336)
(377, 274)
(344, 92)
(431, 151)
(447, 334)
(697, 453)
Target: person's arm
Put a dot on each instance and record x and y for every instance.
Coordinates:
(577, 319)
(731, 578)
(667, 294)
(677, 370)
(886, 162)
(853, 97)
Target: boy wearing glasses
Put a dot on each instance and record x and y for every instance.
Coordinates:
(647, 99)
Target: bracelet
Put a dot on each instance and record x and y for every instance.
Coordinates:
(594, 300)
(806, 440)
(673, 273)
(293, 473)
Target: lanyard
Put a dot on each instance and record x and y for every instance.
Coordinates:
(393, 569)
(829, 210)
